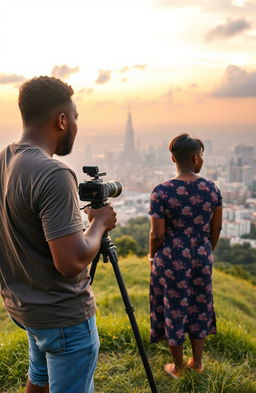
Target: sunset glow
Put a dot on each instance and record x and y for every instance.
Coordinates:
(167, 61)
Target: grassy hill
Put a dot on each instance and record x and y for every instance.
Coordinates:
(229, 359)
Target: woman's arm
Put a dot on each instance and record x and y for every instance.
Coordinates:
(156, 234)
(216, 225)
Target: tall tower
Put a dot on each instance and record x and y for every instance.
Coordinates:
(129, 145)
(129, 151)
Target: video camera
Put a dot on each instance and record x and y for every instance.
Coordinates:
(96, 191)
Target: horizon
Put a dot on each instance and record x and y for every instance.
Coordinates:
(234, 134)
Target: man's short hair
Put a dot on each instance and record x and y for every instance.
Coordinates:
(39, 96)
(183, 147)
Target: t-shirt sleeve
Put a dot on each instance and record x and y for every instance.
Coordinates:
(156, 206)
(58, 205)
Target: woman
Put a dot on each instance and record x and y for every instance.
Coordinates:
(186, 215)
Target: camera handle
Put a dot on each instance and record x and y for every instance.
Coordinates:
(108, 251)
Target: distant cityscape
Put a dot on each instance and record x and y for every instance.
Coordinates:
(140, 166)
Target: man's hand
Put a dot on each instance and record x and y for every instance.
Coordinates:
(73, 252)
(104, 215)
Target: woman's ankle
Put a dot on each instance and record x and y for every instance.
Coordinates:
(198, 364)
(178, 367)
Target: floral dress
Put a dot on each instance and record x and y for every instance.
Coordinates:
(181, 276)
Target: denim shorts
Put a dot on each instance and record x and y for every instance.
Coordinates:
(64, 358)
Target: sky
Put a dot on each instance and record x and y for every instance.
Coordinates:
(169, 62)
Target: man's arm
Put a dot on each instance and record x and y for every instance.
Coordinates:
(72, 253)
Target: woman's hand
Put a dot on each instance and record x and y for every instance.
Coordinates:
(216, 225)
(156, 235)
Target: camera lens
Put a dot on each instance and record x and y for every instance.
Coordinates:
(114, 188)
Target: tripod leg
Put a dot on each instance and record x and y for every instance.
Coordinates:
(94, 266)
(129, 309)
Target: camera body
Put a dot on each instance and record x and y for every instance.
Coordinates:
(96, 190)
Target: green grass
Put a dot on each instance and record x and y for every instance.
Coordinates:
(229, 358)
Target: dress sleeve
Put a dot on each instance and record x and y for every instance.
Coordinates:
(58, 205)
(156, 207)
(219, 196)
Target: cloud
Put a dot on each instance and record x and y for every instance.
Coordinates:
(103, 77)
(134, 67)
(237, 83)
(124, 69)
(11, 78)
(63, 71)
(190, 90)
(139, 66)
(80, 94)
(229, 29)
(85, 90)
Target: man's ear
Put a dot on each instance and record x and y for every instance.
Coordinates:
(173, 159)
(61, 121)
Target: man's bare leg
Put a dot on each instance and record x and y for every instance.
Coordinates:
(30, 388)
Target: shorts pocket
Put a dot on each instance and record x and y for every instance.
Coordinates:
(80, 331)
(48, 340)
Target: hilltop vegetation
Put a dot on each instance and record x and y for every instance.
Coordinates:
(230, 356)
(132, 237)
(238, 260)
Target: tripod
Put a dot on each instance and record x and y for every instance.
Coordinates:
(108, 251)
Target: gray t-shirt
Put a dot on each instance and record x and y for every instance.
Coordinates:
(38, 203)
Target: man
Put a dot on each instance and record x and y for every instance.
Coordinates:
(43, 249)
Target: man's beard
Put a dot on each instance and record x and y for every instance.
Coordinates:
(66, 145)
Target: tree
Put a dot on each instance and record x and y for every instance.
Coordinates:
(241, 257)
(126, 245)
(138, 229)
(222, 246)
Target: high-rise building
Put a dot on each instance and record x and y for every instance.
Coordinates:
(129, 153)
(234, 173)
(245, 154)
(241, 167)
(247, 178)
